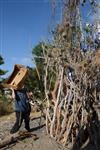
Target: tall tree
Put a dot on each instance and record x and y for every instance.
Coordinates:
(39, 69)
(2, 72)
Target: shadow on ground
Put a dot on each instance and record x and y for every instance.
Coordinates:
(37, 128)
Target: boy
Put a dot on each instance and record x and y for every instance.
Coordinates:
(22, 109)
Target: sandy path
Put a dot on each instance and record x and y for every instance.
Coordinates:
(44, 142)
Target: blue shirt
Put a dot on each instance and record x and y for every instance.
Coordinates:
(21, 101)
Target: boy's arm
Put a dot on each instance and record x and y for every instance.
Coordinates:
(13, 93)
(29, 95)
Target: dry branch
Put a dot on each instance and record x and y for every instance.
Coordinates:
(16, 137)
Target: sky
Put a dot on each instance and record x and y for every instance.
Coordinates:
(23, 24)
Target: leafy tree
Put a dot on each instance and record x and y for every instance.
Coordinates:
(32, 83)
(35, 81)
(37, 55)
(2, 72)
(38, 71)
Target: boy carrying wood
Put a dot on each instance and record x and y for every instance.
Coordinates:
(22, 109)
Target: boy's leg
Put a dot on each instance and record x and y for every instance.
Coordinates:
(27, 120)
(18, 123)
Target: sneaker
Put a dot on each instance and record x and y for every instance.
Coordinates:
(14, 130)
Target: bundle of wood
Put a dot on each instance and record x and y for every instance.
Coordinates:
(72, 88)
(72, 84)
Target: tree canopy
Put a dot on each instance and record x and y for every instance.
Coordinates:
(2, 72)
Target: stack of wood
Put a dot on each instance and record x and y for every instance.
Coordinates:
(72, 87)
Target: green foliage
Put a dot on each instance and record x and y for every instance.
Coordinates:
(33, 83)
(32, 79)
(87, 29)
(37, 55)
(5, 106)
(1, 60)
(37, 50)
(2, 72)
(35, 79)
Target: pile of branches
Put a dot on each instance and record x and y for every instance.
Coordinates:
(72, 87)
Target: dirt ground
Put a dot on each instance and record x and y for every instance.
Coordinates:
(44, 142)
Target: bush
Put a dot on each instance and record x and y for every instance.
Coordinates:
(5, 106)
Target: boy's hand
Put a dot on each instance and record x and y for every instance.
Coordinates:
(13, 94)
(12, 89)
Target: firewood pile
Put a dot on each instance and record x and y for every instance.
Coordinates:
(71, 99)
(72, 87)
